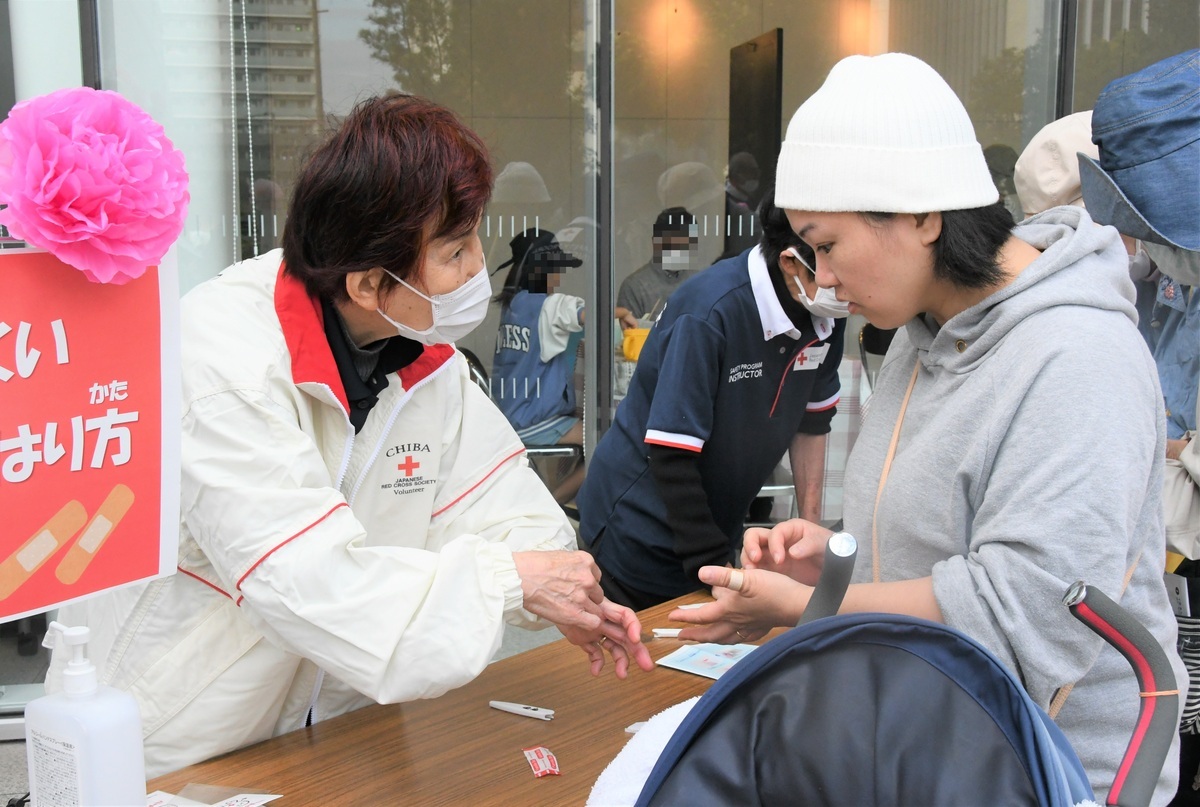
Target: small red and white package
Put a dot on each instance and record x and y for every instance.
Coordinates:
(541, 760)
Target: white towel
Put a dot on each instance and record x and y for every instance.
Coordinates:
(621, 782)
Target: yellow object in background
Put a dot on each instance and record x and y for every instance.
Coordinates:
(1173, 560)
(634, 338)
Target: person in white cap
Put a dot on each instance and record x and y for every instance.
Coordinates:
(1047, 172)
(1014, 442)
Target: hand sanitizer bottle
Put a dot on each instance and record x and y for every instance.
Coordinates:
(84, 745)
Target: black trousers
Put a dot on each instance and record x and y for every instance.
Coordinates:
(1189, 771)
(618, 592)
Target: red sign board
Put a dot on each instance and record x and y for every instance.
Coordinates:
(89, 431)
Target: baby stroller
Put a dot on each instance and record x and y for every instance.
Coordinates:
(967, 733)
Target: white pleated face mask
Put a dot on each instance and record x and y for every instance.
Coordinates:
(824, 303)
(1140, 265)
(676, 259)
(455, 314)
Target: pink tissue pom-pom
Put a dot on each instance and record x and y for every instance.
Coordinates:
(91, 178)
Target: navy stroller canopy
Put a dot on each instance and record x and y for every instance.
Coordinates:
(868, 709)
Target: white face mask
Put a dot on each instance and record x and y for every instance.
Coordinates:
(454, 315)
(824, 303)
(1140, 265)
(676, 259)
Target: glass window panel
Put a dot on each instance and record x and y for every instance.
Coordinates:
(672, 97)
(246, 88)
(1118, 37)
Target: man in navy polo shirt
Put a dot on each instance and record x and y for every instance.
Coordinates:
(741, 366)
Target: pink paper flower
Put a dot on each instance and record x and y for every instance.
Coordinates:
(91, 178)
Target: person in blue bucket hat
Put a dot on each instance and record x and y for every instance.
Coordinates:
(1147, 180)
(1146, 184)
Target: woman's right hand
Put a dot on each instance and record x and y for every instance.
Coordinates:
(795, 548)
(762, 600)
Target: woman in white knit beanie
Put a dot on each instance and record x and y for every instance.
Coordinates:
(1013, 442)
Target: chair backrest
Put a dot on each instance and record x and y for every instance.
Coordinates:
(479, 373)
(570, 451)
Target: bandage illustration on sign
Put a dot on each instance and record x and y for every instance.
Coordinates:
(114, 507)
(29, 557)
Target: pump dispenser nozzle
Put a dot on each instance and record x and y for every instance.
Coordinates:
(79, 677)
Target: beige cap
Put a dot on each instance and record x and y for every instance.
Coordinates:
(521, 183)
(690, 185)
(1047, 172)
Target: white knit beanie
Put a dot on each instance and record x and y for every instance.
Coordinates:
(883, 134)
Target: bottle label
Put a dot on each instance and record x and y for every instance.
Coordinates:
(54, 770)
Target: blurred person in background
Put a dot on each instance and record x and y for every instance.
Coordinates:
(642, 294)
(533, 372)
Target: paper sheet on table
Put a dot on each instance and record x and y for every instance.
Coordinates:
(709, 660)
(160, 798)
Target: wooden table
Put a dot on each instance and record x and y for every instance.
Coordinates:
(456, 749)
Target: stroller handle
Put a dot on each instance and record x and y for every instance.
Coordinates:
(840, 551)
(1158, 717)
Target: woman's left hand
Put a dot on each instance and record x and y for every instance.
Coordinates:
(756, 602)
(620, 634)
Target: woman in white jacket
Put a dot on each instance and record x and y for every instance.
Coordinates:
(358, 522)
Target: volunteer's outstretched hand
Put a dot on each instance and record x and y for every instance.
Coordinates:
(620, 634)
(564, 588)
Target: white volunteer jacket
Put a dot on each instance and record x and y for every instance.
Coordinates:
(318, 568)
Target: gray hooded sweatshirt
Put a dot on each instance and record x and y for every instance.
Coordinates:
(1030, 456)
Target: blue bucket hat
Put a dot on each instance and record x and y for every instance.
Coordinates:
(1147, 180)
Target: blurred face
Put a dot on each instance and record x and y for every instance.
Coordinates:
(884, 270)
(448, 264)
(672, 243)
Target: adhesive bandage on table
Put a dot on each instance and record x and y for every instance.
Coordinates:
(114, 507)
(29, 557)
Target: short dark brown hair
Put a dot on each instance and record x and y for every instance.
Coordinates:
(399, 172)
(777, 234)
(967, 253)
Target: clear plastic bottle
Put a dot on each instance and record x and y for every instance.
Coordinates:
(84, 745)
